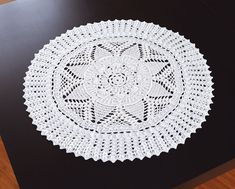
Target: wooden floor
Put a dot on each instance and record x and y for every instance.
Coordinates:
(5, 1)
(221, 177)
(224, 181)
(7, 177)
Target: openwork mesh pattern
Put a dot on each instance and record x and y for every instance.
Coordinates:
(118, 90)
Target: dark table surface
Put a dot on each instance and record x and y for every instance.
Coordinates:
(26, 25)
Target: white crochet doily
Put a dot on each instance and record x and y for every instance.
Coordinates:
(118, 90)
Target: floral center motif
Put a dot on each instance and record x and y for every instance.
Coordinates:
(117, 80)
(117, 84)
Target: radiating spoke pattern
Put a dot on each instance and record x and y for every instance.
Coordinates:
(118, 90)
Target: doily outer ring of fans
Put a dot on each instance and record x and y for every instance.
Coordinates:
(122, 146)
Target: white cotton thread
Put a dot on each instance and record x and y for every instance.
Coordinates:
(118, 90)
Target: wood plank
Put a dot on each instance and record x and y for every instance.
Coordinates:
(5, 1)
(221, 177)
(7, 176)
(224, 181)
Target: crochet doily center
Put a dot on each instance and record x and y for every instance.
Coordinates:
(117, 81)
(116, 85)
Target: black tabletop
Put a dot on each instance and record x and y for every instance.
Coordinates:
(25, 26)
